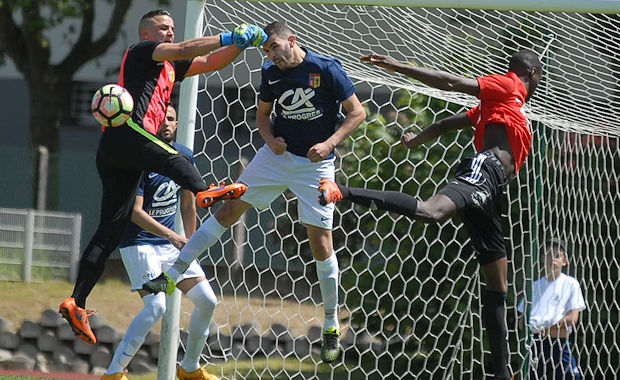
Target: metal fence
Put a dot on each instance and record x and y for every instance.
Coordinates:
(39, 245)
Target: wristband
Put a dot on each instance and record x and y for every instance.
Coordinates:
(226, 38)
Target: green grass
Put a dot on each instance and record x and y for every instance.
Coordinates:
(256, 369)
(275, 368)
(22, 301)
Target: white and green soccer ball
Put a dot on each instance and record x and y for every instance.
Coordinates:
(111, 105)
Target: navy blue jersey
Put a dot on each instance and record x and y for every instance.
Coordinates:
(307, 99)
(161, 198)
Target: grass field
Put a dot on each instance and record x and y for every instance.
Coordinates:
(113, 300)
(253, 370)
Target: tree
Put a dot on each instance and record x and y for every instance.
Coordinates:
(22, 38)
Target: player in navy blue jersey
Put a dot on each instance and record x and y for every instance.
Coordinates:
(150, 246)
(149, 70)
(307, 90)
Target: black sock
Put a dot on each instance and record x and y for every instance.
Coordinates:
(494, 321)
(90, 269)
(88, 275)
(384, 200)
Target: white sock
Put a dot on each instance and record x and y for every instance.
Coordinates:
(328, 274)
(204, 237)
(204, 305)
(154, 307)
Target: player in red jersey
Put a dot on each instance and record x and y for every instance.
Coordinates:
(502, 138)
(149, 70)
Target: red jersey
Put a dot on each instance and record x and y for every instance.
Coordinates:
(501, 100)
(150, 83)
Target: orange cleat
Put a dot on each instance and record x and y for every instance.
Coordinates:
(217, 193)
(330, 192)
(78, 319)
(114, 376)
(199, 374)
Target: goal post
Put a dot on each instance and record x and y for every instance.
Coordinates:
(591, 6)
(409, 291)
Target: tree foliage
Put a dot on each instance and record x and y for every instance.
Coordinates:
(23, 26)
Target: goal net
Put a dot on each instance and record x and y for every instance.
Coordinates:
(410, 292)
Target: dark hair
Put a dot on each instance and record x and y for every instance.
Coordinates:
(279, 28)
(154, 13)
(523, 61)
(556, 243)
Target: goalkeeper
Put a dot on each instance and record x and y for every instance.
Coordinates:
(502, 139)
(148, 71)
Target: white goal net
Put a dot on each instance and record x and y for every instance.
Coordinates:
(410, 292)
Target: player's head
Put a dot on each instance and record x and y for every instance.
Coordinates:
(555, 258)
(168, 128)
(157, 25)
(527, 66)
(281, 45)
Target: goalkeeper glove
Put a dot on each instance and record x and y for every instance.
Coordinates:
(244, 36)
(259, 37)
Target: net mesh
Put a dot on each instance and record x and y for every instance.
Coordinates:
(410, 291)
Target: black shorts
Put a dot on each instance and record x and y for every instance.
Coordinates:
(478, 191)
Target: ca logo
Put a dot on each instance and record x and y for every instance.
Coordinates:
(300, 98)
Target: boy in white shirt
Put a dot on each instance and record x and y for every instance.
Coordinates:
(554, 312)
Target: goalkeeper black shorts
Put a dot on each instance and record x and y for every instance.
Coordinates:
(478, 191)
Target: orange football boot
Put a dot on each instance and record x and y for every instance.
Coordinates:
(78, 319)
(199, 374)
(217, 193)
(330, 192)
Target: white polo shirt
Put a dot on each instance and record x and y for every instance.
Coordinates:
(551, 301)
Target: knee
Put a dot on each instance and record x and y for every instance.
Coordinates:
(205, 301)
(202, 296)
(156, 306)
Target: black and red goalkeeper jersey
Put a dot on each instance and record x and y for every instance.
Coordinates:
(150, 83)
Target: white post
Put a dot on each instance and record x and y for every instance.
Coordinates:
(28, 244)
(44, 159)
(169, 342)
(76, 231)
(168, 345)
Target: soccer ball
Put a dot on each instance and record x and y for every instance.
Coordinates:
(111, 105)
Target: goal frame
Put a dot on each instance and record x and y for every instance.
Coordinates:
(188, 99)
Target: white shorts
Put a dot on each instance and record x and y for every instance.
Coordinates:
(145, 262)
(268, 175)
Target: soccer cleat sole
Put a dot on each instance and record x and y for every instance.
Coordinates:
(169, 289)
(327, 193)
(322, 198)
(209, 201)
(331, 359)
(232, 191)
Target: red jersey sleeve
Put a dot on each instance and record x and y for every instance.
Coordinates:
(495, 87)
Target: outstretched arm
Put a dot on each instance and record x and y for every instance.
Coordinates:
(451, 123)
(170, 51)
(434, 78)
(355, 116)
(214, 61)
